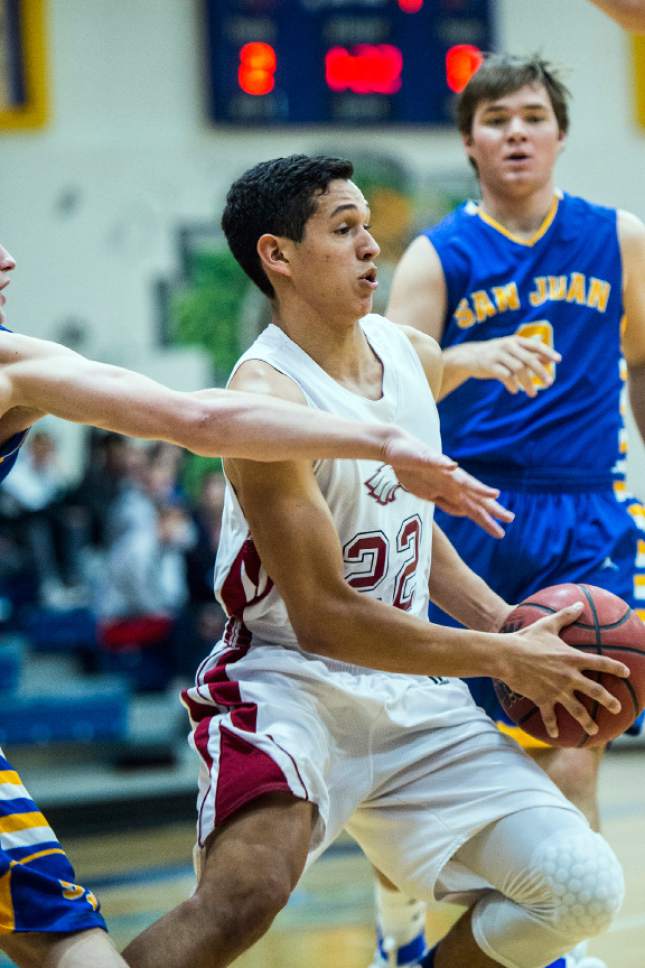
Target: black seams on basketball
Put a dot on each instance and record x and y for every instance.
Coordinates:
(606, 626)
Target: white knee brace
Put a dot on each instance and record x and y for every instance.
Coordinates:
(585, 880)
(571, 889)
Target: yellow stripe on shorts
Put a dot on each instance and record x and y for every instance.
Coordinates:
(22, 821)
(521, 738)
(7, 916)
(39, 854)
(10, 776)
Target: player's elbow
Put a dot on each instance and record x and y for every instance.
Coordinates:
(198, 429)
(322, 625)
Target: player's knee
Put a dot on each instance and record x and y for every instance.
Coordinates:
(579, 884)
(251, 902)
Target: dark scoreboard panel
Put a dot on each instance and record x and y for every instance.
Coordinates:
(347, 62)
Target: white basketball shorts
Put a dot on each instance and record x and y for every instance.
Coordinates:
(408, 764)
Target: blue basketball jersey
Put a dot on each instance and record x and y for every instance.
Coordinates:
(9, 448)
(563, 286)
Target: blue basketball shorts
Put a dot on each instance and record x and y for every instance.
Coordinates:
(37, 882)
(593, 536)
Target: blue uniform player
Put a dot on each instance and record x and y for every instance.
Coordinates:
(540, 295)
(43, 912)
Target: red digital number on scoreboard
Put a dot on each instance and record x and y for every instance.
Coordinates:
(256, 73)
(365, 69)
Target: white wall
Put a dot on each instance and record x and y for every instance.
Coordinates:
(89, 203)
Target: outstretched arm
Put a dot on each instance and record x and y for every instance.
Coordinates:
(418, 298)
(38, 377)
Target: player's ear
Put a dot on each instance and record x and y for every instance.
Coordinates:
(274, 258)
(562, 138)
(467, 141)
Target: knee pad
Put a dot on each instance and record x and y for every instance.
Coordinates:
(583, 882)
(568, 888)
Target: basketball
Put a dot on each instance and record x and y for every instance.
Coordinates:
(606, 626)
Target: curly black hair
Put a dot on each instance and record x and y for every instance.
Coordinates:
(277, 196)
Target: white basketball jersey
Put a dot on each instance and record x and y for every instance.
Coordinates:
(385, 531)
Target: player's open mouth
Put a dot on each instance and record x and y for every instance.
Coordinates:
(369, 278)
(517, 156)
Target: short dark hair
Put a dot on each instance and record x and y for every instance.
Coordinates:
(502, 74)
(277, 196)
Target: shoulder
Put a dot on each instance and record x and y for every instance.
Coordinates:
(451, 226)
(420, 262)
(630, 227)
(258, 376)
(631, 237)
(429, 353)
(575, 206)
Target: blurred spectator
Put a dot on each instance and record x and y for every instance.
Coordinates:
(207, 517)
(112, 461)
(143, 591)
(36, 481)
(30, 507)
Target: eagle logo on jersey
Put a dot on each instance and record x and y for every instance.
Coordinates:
(383, 485)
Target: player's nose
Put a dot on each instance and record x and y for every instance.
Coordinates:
(516, 128)
(370, 248)
(7, 261)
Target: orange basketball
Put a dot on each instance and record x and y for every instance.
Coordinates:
(606, 626)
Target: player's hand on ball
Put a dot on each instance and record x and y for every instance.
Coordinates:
(548, 671)
(520, 363)
(438, 478)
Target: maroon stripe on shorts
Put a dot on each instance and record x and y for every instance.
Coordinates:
(244, 772)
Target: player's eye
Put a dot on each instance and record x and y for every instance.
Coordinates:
(342, 230)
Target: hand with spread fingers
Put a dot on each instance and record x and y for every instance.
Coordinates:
(438, 478)
(546, 670)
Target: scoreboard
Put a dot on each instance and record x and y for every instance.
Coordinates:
(342, 62)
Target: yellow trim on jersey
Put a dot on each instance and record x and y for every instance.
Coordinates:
(22, 821)
(10, 776)
(39, 854)
(543, 229)
(7, 915)
(521, 738)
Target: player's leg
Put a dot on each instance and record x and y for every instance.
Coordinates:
(78, 950)
(250, 867)
(575, 772)
(45, 917)
(400, 925)
(553, 880)
(547, 882)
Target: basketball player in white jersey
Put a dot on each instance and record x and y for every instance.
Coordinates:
(331, 700)
(45, 918)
